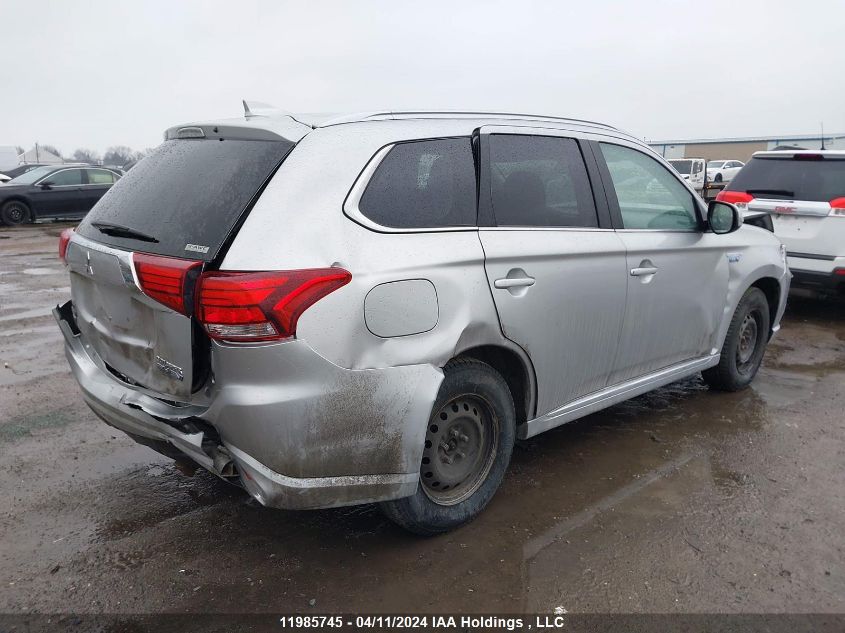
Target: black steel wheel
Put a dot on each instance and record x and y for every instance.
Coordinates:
(744, 346)
(468, 446)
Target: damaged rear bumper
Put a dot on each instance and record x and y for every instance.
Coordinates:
(238, 432)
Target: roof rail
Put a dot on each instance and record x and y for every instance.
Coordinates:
(363, 116)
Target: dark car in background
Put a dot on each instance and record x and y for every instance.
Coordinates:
(21, 169)
(56, 191)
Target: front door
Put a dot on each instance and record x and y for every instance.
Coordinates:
(58, 194)
(555, 267)
(677, 273)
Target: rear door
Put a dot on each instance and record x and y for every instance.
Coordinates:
(677, 274)
(805, 195)
(97, 183)
(135, 256)
(555, 267)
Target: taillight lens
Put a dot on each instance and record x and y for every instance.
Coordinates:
(739, 198)
(261, 306)
(168, 280)
(837, 208)
(64, 240)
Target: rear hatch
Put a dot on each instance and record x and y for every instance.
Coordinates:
(136, 255)
(805, 194)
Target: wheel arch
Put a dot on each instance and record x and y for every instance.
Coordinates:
(771, 288)
(516, 368)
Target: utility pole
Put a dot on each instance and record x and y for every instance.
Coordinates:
(822, 124)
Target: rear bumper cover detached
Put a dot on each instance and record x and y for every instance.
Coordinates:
(341, 437)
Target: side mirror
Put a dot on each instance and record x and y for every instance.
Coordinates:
(723, 217)
(47, 185)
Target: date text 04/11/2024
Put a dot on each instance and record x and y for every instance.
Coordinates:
(412, 622)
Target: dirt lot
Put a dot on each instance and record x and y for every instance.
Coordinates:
(683, 500)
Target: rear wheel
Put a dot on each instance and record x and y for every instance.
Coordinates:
(468, 446)
(14, 213)
(745, 344)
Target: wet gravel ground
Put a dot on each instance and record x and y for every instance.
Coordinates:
(683, 500)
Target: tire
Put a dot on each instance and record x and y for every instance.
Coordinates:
(744, 344)
(718, 178)
(15, 213)
(469, 442)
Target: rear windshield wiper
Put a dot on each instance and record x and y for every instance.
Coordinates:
(773, 192)
(122, 231)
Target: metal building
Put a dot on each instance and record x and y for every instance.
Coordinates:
(743, 148)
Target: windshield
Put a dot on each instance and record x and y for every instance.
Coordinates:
(184, 198)
(31, 176)
(786, 178)
(715, 164)
(681, 166)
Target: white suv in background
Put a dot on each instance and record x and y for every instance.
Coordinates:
(804, 192)
(723, 170)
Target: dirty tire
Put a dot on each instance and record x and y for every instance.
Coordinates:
(14, 213)
(739, 361)
(474, 400)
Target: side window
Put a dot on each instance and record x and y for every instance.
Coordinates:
(539, 181)
(65, 178)
(100, 177)
(423, 184)
(649, 196)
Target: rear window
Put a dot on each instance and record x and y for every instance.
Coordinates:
(423, 184)
(786, 178)
(187, 195)
(681, 166)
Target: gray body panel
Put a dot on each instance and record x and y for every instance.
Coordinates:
(338, 415)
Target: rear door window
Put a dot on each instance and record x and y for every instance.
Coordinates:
(649, 196)
(817, 180)
(187, 195)
(539, 181)
(100, 177)
(423, 184)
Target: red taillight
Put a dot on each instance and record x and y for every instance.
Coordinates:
(839, 272)
(734, 197)
(837, 208)
(168, 280)
(64, 240)
(261, 306)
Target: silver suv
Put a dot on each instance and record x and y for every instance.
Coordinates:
(375, 307)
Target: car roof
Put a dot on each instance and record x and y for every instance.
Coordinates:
(827, 153)
(261, 122)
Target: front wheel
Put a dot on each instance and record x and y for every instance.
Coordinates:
(14, 213)
(468, 446)
(745, 344)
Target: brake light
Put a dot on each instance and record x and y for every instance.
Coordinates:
(261, 306)
(837, 208)
(739, 198)
(839, 272)
(168, 280)
(64, 240)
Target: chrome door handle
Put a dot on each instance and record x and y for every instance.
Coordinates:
(513, 282)
(645, 270)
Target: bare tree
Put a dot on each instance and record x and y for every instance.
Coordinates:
(83, 155)
(50, 148)
(19, 149)
(118, 155)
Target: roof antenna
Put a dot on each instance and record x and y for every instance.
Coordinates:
(822, 124)
(256, 108)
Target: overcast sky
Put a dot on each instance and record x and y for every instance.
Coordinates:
(118, 72)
